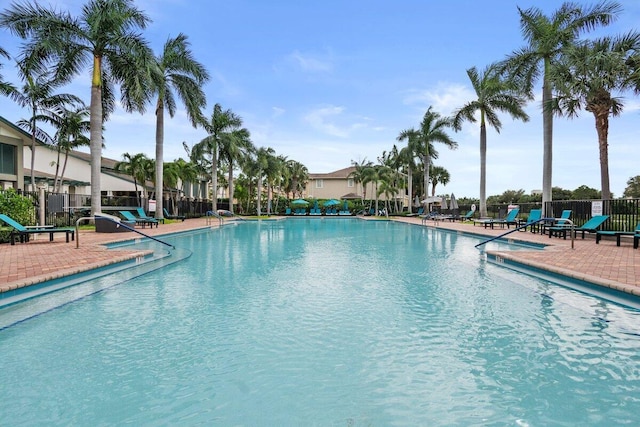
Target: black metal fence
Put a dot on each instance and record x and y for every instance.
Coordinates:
(63, 209)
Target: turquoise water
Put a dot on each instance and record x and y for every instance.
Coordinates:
(329, 323)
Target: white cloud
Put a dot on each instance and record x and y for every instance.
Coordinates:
(308, 62)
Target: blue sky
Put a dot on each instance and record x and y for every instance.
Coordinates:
(325, 83)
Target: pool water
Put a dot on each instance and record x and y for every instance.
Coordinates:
(334, 322)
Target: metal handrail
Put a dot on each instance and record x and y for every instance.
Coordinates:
(214, 214)
(119, 224)
(571, 231)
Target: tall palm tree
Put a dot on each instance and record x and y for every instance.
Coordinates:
(494, 94)
(71, 134)
(432, 129)
(588, 76)
(105, 35)
(176, 70)
(547, 37)
(220, 125)
(37, 95)
(234, 146)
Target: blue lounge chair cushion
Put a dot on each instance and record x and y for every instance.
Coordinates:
(590, 226)
(23, 233)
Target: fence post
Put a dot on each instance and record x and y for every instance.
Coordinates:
(41, 205)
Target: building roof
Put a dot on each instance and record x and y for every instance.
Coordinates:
(339, 174)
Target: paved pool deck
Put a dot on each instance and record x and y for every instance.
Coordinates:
(604, 264)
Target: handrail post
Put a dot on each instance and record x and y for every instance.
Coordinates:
(78, 229)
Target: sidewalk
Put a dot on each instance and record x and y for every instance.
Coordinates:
(39, 260)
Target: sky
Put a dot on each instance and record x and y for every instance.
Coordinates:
(329, 82)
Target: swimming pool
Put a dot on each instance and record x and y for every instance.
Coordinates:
(326, 322)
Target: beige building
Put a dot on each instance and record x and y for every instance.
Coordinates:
(12, 141)
(339, 185)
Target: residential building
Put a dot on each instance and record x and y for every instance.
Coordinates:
(12, 141)
(340, 185)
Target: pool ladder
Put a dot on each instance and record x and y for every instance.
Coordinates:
(211, 214)
(571, 229)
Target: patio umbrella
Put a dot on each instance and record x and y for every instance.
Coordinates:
(299, 202)
(346, 206)
(453, 203)
(416, 202)
(315, 204)
(332, 202)
(443, 204)
(351, 196)
(432, 199)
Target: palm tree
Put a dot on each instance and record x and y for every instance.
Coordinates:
(37, 95)
(5, 87)
(406, 157)
(136, 166)
(221, 124)
(71, 134)
(262, 162)
(587, 77)
(299, 176)
(175, 70)
(358, 174)
(105, 36)
(171, 176)
(547, 37)
(187, 172)
(432, 129)
(439, 175)
(493, 94)
(272, 173)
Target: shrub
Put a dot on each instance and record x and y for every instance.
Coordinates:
(17, 207)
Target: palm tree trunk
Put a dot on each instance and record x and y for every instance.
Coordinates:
(259, 196)
(410, 188)
(483, 167)
(214, 176)
(602, 127)
(64, 166)
(159, 161)
(33, 149)
(231, 186)
(547, 129)
(56, 183)
(95, 135)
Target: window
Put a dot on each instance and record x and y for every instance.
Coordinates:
(319, 183)
(350, 182)
(8, 159)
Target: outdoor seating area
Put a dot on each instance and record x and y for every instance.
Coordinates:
(590, 226)
(139, 221)
(22, 233)
(635, 234)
